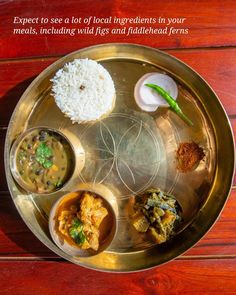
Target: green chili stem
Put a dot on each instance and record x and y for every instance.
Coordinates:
(172, 103)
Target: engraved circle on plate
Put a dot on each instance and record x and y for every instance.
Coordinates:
(121, 151)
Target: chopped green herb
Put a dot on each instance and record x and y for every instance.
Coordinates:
(80, 239)
(47, 164)
(43, 150)
(40, 159)
(76, 231)
(77, 223)
(43, 153)
(73, 233)
(77, 236)
(58, 183)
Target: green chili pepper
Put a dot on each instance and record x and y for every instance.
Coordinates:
(172, 103)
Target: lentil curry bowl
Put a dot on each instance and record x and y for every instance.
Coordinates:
(42, 160)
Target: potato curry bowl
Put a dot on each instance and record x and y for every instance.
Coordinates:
(42, 160)
(82, 223)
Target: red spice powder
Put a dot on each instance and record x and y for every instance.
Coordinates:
(189, 154)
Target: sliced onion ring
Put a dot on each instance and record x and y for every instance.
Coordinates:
(149, 100)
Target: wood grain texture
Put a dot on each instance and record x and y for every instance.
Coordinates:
(178, 277)
(221, 239)
(217, 66)
(17, 240)
(210, 25)
(15, 77)
(3, 182)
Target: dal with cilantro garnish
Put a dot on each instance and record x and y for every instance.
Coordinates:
(44, 161)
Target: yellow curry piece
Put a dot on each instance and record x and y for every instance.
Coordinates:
(82, 221)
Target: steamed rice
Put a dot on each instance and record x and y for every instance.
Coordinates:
(83, 90)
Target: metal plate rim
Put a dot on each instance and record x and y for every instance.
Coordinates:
(6, 147)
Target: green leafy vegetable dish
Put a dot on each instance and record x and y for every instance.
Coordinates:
(44, 161)
(156, 214)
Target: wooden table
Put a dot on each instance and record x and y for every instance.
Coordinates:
(26, 265)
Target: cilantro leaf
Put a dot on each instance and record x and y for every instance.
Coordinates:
(77, 236)
(73, 233)
(40, 159)
(80, 239)
(43, 153)
(47, 164)
(77, 223)
(43, 150)
(76, 231)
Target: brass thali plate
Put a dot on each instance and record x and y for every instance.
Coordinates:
(130, 151)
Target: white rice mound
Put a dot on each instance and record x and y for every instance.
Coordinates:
(83, 90)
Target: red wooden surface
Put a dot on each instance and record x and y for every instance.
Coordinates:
(179, 277)
(26, 265)
(210, 23)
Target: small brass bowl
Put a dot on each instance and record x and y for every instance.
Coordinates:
(107, 229)
(13, 160)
